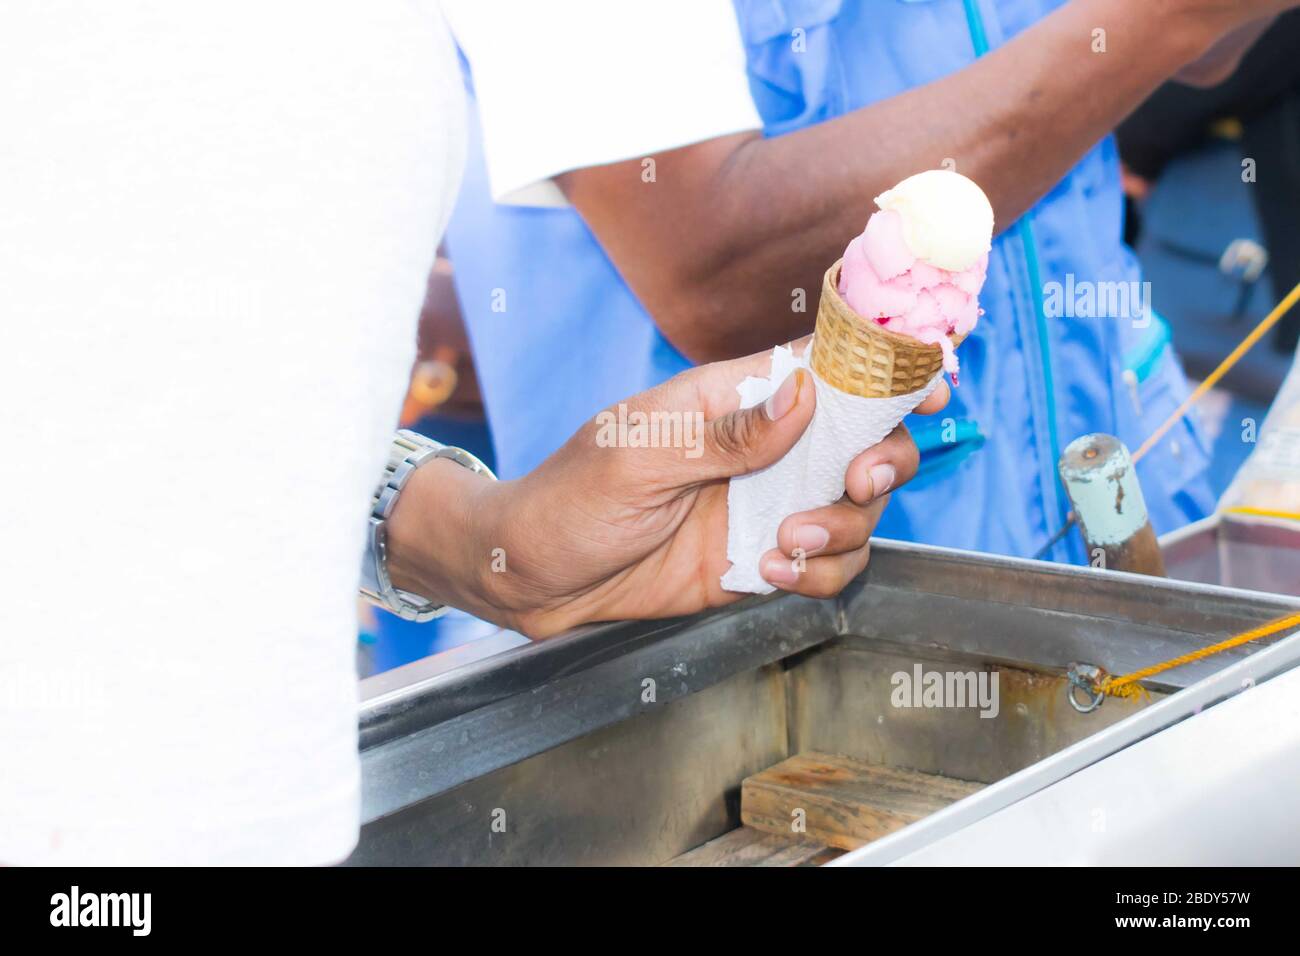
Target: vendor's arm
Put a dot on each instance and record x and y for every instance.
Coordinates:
(603, 533)
(730, 223)
(732, 226)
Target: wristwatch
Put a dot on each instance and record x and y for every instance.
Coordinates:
(408, 452)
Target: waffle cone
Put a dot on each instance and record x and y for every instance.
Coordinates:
(861, 356)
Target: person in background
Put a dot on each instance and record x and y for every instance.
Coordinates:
(652, 187)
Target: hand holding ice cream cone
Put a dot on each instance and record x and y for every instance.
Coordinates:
(892, 312)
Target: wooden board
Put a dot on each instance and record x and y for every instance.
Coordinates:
(745, 846)
(845, 802)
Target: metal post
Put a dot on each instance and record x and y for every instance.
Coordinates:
(1103, 487)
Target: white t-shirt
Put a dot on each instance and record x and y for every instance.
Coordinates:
(215, 225)
(566, 84)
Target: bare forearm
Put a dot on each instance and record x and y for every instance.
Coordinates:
(717, 247)
(1015, 121)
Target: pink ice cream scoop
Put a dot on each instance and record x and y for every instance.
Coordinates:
(895, 271)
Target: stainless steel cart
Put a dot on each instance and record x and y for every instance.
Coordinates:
(628, 743)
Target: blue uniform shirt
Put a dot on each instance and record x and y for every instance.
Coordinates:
(1062, 349)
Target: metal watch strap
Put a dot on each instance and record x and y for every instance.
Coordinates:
(408, 452)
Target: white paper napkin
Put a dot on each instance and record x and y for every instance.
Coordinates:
(811, 475)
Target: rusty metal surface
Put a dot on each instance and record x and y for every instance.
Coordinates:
(840, 702)
(1192, 821)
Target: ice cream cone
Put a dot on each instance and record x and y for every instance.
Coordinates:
(862, 357)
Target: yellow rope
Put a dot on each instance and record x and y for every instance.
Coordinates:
(1128, 686)
(1225, 366)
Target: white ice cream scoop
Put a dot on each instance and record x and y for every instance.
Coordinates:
(947, 219)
